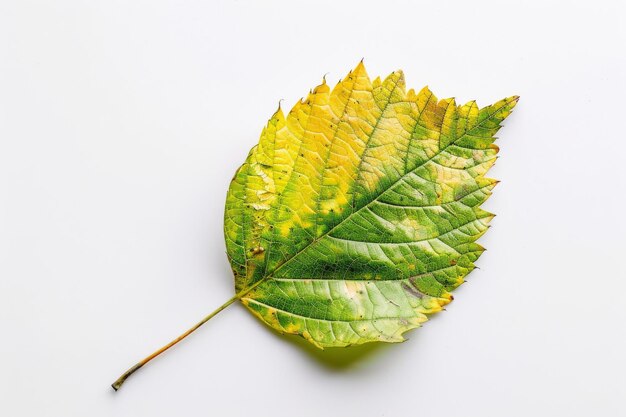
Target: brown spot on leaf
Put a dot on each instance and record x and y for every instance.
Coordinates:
(257, 250)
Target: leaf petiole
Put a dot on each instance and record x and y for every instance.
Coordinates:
(118, 383)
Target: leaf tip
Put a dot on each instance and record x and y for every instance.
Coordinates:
(512, 101)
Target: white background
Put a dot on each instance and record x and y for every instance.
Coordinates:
(122, 122)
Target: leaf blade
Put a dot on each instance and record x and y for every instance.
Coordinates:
(376, 219)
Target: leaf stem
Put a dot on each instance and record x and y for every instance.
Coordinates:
(118, 383)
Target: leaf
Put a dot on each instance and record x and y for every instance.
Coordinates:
(358, 212)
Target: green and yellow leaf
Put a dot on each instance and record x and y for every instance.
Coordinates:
(357, 213)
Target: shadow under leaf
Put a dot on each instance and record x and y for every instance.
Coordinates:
(335, 359)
